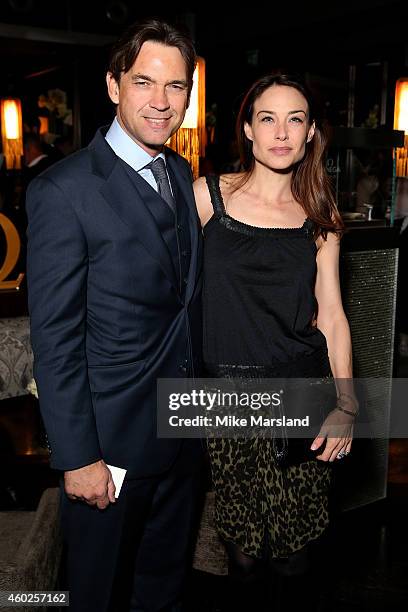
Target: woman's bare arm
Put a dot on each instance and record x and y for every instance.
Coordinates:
(332, 322)
(203, 200)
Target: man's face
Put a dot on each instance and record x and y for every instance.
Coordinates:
(151, 96)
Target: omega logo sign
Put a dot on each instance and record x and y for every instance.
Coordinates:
(11, 257)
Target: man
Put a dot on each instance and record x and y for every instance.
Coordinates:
(36, 160)
(38, 156)
(114, 295)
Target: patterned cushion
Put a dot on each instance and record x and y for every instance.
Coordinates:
(16, 357)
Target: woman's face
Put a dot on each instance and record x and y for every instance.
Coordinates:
(280, 127)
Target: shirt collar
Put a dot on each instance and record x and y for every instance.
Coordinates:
(127, 149)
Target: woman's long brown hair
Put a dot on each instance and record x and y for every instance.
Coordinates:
(310, 184)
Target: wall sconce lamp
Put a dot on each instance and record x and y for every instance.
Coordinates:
(190, 139)
(12, 132)
(401, 123)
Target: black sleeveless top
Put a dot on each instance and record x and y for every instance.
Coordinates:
(258, 298)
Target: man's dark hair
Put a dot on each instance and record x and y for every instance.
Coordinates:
(126, 49)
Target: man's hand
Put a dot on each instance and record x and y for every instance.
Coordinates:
(92, 483)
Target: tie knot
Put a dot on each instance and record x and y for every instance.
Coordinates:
(158, 168)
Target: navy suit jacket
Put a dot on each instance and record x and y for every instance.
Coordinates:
(107, 317)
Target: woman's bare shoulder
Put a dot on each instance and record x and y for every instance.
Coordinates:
(329, 244)
(203, 200)
(200, 185)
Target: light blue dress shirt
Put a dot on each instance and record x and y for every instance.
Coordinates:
(131, 153)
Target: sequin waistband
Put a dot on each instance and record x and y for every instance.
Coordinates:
(313, 364)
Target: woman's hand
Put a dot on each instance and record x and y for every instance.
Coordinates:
(337, 430)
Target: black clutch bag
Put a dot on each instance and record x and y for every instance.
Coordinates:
(311, 398)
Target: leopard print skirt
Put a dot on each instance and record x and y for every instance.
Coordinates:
(264, 509)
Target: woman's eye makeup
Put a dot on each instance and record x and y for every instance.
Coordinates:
(291, 119)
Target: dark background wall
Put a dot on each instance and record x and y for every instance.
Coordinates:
(46, 45)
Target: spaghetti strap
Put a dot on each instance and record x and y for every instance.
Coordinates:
(213, 184)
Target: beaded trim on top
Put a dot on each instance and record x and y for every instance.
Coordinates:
(306, 230)
(230, 223)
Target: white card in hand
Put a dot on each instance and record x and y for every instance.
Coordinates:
(118, 476)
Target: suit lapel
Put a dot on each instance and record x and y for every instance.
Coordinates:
(124, 196)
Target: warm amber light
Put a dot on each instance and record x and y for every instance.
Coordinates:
(401, 123)
(11, 119)
(43, 125)
(190, 139)
(191, 117)
(12, 132)
(401, 106)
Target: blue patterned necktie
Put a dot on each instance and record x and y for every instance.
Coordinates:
(158, 168)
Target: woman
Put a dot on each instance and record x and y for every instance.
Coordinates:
(272, 307)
